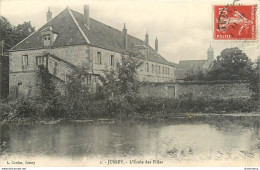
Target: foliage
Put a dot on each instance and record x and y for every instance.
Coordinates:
(231, 64)
(189, 105)
(22, 107)
(254, 80)
(77, 95)
(12, 35)
(145, 109)
(191, 75)
(121, 87)
(50, 98)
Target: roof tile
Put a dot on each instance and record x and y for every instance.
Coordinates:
(99, 35)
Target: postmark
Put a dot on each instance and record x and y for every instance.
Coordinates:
(235, 22)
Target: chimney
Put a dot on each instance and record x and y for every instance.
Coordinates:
(156, 44)
(124, 38)
(147, 39)
(86, 15)
(49, 15)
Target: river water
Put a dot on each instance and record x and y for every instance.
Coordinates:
(205, 138)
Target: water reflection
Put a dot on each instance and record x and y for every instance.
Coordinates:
(182, 139)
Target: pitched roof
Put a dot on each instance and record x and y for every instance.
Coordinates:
(105, 36)
(71, 29)
(173, 64)
(191, 64)
(68, 34)
(185, 66)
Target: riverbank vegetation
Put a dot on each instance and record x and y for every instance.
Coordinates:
(118, 108)
(119, 99)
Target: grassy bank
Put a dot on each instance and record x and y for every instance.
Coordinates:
(31, 109)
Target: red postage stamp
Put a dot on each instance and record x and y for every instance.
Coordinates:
(235, 22)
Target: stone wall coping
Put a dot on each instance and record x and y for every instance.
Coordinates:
(196, 82)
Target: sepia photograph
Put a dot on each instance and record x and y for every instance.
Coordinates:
(129, 83)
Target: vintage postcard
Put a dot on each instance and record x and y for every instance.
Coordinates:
(129, 83)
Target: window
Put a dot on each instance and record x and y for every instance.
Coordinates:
(112, 60)
(159, 70)
(47, 40)
(25, 61)
(88, 79)
(99, 58)
(147, 67)
(40, 60)
(163, 70)
(152, 68)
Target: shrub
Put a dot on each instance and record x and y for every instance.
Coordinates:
(25, 107)
(121, 88)
(5, 109)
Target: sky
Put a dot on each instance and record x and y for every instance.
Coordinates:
(184, 28)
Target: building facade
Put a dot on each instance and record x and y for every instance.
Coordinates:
(186, 67)
(72, 40)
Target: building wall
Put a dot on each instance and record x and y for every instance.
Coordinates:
(105, 59)
(4, 76)
(26, 83)
(28, 75)
(156, 90)
(208, 90)
(146, 73)
(76, 55)
(216, 90)
(80, 55)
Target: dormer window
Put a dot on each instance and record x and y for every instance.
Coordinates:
(49, 36)
(47, 40)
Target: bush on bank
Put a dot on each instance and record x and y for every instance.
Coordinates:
(197, 105)
(141, 109)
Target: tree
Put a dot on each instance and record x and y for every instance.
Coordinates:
(231, 64)
(77, 94)
(13, 35)
(6, 33)
(50, 96)
(255, 80)
(23, 30)
(121, 86)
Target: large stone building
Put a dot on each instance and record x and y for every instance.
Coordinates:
(186, 67)
(72, 40)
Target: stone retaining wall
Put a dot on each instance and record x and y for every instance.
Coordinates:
(210, 90)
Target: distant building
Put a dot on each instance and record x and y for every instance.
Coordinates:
(72, 40)
(186, 67)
